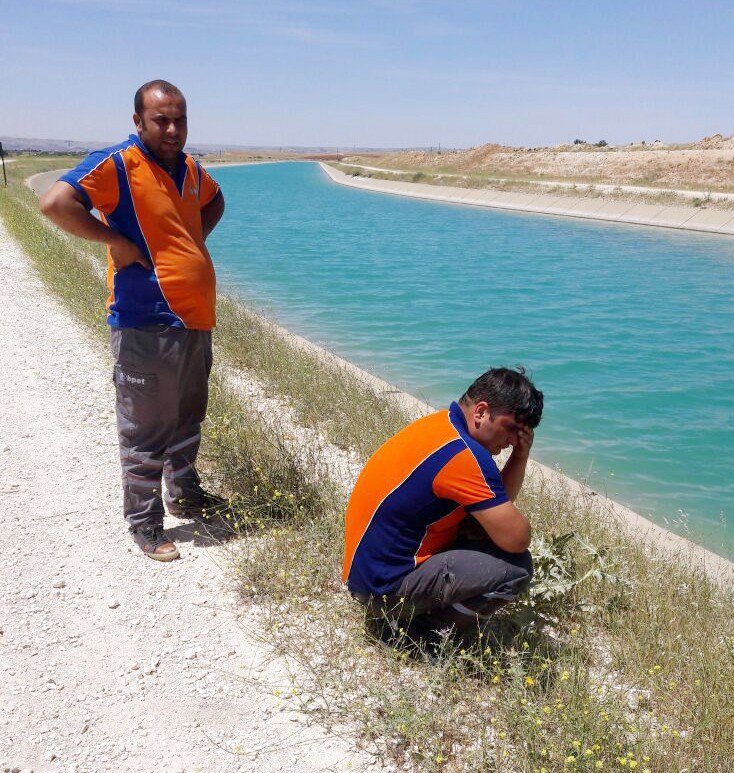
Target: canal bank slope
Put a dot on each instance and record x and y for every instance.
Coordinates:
(576, 494)
(685, 218)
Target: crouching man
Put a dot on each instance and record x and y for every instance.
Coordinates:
(404, 556)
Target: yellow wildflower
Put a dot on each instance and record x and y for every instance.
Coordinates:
(565, 676)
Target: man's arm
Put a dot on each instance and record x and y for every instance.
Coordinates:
(506, 526)
(65, 207)
(513, 473)
(212, 213)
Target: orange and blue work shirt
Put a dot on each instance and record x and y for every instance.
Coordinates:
(161, 214)
(411, 498)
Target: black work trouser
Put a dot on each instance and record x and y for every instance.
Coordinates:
(458, 587)
(161, 379)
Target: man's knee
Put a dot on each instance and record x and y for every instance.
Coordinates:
(526, 563)
(522, 568)
(521, 572)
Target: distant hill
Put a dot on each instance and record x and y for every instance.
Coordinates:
(38, 145)
(703, 165)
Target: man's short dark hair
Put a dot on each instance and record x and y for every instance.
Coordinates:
(164, 86)
(508, 391)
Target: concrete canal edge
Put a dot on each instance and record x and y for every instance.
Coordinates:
(682, 218)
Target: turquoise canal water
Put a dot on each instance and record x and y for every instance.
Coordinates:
(628, 330)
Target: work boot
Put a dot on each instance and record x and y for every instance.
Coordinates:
(204, 506)
(153, 542)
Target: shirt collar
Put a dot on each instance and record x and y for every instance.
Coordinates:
(180, 165)
(457, 417)
(137, 141)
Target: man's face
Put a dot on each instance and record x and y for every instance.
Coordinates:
(495, 431)
(162, 125)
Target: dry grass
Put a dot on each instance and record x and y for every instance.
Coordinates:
(479, 181)
(325, 397)
(692, 168)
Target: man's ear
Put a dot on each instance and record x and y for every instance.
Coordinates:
(137, 120)
(481, 409)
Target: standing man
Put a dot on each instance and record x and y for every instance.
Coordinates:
(404, 556)
(157, 207)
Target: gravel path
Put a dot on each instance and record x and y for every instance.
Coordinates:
(110, 661)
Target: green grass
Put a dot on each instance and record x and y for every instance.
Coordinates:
(324, 395)
(634, 672)
(56, 257)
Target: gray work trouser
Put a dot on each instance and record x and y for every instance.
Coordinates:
(161, 378)
(459, 587)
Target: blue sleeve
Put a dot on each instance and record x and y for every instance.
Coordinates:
(493, 479)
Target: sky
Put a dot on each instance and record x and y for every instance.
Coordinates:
(376, 73)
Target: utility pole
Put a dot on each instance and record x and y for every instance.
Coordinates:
(2, 158)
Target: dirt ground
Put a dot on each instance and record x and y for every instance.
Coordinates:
(704, 165)
(110, 661)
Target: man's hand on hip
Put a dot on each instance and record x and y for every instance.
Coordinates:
(125, 253)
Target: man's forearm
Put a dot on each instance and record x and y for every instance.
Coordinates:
(211, 214)
(513, 474)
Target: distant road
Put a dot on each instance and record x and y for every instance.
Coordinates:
(40, 183)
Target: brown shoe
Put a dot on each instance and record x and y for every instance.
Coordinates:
(151, 540)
